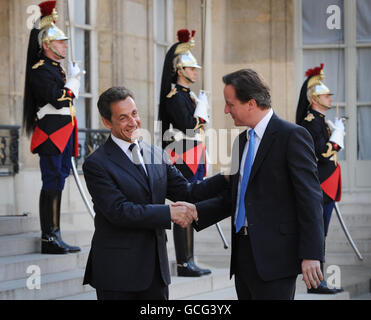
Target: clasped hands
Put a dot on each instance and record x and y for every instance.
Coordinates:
(183, 213)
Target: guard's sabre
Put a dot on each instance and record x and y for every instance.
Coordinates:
(226, 246)
(74, 169)
(81, 189)
(347, 234)
(70, 17)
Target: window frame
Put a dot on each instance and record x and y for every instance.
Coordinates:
(353, 170)
(169, 36)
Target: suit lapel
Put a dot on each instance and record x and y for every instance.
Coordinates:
(268, 138)
(119, 157)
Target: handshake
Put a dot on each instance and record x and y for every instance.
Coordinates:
(183, 213)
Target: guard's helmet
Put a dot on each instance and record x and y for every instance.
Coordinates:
(311, 89)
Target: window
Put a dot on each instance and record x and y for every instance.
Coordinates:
(321, 44)
(363, 45)
(163, 38)
(84, 50)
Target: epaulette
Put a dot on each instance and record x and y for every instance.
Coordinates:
(309, 117)
(39, 64)
(172, 93)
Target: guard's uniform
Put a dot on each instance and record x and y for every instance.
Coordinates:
(188, 153)
(55, 134)
(178, 109)
(328, 167)
(327, 143)
(48, 114)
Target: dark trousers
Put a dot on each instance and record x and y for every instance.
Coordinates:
(156, 291)
(55, 169)
(250, 286)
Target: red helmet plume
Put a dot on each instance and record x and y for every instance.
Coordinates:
(46, 7)
(314, 71)
(183, 35)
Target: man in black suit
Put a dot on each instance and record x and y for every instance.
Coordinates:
(129, 181)
(274, 197)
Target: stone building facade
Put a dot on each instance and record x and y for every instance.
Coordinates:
(123, 42)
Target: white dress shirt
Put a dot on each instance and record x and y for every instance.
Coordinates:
(259, 133)
(124, 146)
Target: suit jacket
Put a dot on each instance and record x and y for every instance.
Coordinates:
(131, 216)
(283, 201)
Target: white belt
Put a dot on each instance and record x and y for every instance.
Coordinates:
(49, 109)
(179, 135)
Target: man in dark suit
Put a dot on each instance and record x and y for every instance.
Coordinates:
(274, 197)
(129, 181)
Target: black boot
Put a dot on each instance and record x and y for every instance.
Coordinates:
(183, 242)
(57, 231)
(48, 205)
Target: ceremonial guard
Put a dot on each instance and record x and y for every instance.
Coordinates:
(183, 117)
(49, 116)
(315, 99)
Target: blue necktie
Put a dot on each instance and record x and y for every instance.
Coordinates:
(245, 179)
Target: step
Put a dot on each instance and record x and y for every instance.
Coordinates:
(15, 267)
(309, 296)
(352, 220)
(348, 259)
(215, 260)
(218, 286)
(30, 242)
(357, 233)
(365, 296)
(181, 287)
(338, 246)
(222, 294)
(356, 197)
(352, 208)
(53, 286)
(10, 225)
(77, 220)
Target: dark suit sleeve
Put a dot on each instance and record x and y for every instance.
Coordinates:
(304, 176)
(213, 210)
(179, 189)
(116, 208)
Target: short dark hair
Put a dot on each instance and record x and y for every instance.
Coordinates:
(109, 96)
(248, 85)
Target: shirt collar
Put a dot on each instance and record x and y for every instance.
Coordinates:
(262, 125)
(124, 145)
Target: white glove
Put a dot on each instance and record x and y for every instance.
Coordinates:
(338, 134)
(74, 69)
(202, 106)
(339, 124)
(331, 125)
(73, 83)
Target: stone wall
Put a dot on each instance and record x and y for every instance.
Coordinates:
(245, 33)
